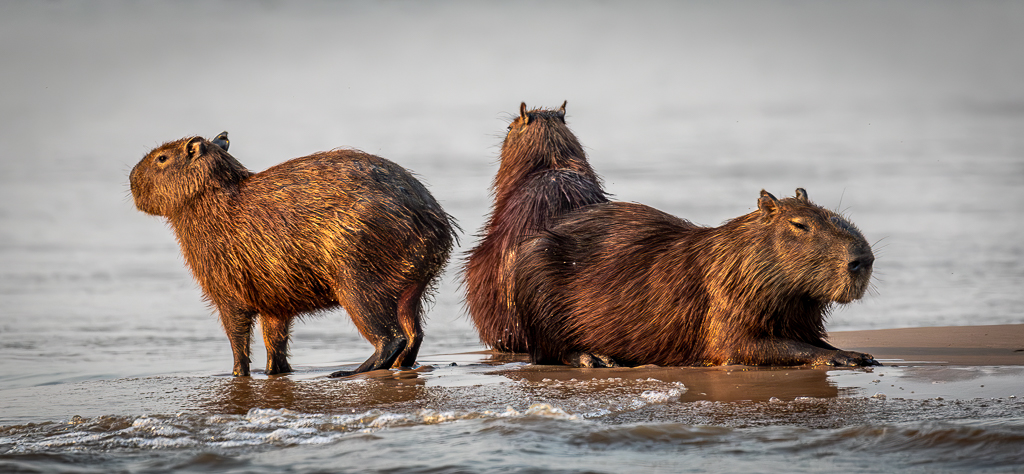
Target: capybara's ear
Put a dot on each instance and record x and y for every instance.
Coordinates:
(522, 113)
(767, 203)
(194, 147)
(801, 194)
(222, 141)
(561, 110)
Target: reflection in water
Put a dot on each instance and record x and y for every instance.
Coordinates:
(727, 383)
(730, 383)
(374, 390)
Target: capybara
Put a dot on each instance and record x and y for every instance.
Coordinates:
(543, 173)
(338, 228)
(623, 283)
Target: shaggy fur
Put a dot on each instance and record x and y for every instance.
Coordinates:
(340, 228)
(543, 174)
(629, 284)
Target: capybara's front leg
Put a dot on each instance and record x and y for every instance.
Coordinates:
(590, 360)
(238, 327)
(790, 352)
(276, 331)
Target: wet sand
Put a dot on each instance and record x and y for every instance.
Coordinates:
(953, 345)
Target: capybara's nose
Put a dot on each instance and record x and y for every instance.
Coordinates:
(861, 263)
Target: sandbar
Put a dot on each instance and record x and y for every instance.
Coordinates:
(996, 345)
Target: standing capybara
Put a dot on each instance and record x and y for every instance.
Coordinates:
(339, 228)
(626, 283)
(543, 173)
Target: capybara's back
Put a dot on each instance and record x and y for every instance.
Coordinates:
(335, 228)
(626, 283)
(543, 174)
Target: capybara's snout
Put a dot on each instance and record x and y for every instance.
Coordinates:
(860, 261)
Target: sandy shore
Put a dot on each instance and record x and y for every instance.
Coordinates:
(949, 345)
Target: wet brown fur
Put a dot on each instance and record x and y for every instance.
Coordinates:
(634, 285)
(339, 228)
(543, 173)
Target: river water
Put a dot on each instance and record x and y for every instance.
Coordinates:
(906, 116)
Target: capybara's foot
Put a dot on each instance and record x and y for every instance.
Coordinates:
(240, 370)
(383, 358)
(850, 359)
(278, 369)
(590, 361)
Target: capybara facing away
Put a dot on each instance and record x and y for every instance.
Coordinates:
(338, 228)
(622, 283)
(543, 173)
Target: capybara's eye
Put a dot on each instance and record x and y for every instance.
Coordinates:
(800, 225)
(161, 159)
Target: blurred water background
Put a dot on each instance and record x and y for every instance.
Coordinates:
(907, 116)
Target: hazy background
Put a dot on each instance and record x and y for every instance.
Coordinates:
(907, 116)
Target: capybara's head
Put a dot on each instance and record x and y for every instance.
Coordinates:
(540, 139)
(176, 172)
(817, 252)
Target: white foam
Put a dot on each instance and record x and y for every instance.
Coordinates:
(257, 427)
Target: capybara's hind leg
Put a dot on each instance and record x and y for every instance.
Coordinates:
(383, 358)
(410, 316)
(275, 336)
(375, 318)
(238, 327)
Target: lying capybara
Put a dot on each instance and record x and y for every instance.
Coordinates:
(338, 228)
(543, 173)
(622, 283)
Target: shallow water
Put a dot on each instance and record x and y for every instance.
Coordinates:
(908, 117)
(486, 415)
